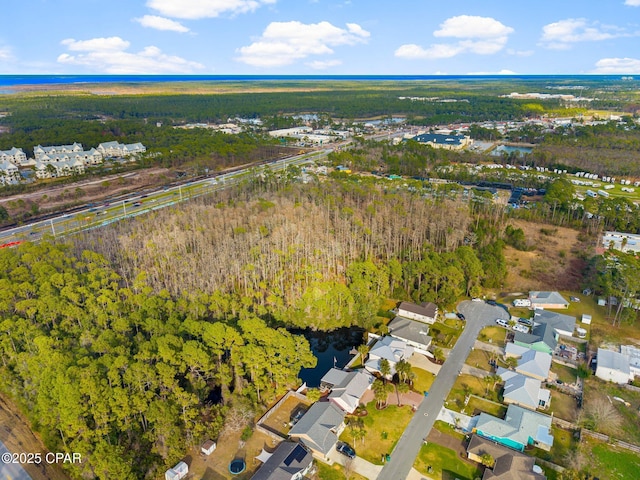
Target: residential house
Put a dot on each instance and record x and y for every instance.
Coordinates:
(390, 348)
(289, 461)
(532, 363)
(346, 388)
(426, 312)
(519, 428)
(551, 300)
(415, 334)
(548, 327)
(507, 464)
(523, 391)
(319, 428)
(15, 156)
(9, 173)
(613, 367)
(61, 168)
(119, 150)
(39, 150)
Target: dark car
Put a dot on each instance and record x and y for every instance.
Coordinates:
(492, 303)
(460, 316)
(346, 450)
(137, 204)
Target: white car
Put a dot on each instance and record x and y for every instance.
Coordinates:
(521, 328)
(476, 299)
(502, 323)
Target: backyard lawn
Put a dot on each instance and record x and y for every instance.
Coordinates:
(383, 429)
(565, 374)
(609, 463)
(444, 335)
(494, 335)
(563, 442)
(563, 406)
(334, 472)
(444, 464)
(479, 405)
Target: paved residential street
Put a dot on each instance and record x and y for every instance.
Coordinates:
(10, 471)
(478, 315)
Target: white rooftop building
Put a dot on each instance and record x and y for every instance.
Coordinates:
(389, 348)
(613, 367)
(625, 242)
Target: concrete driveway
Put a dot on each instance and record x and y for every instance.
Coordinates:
(360, 465)
(478, 315)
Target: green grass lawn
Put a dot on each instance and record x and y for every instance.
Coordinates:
(477, 404)
(335, 472)
(563, 442)
(480, 359)
(383, 429)
(444, 464)
(566, 374)
(444, 335)
(608, 462)
(630, 416)
(455, 400)
(423, 380)
(563, 406)
(494, 335)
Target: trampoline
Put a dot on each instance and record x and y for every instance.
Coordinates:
(237, 466)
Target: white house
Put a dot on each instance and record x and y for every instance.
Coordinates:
(346, 388)
(426, 312)
(9, 173)
(119, 150)
(39, 150)
(390, 348)
(416, 334)
(613, 367)
(633, 355)
(15, 156)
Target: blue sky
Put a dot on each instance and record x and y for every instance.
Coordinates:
(306, 37)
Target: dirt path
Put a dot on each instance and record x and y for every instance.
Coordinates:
(16, 434)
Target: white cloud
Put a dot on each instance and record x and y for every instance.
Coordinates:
(632, 3)
(194, 9)
(161, 23)
(5, 53)
(562, 34)
(324, 64)
(468, 26)
(618, 66)
(109, 55)
(479, 35)
(283, 43)
(520, 53)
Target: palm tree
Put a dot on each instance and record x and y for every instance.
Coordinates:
(403, 368)
(385, 368)
(380, 392)
(362, 351)
(401, 388)
(487, 460)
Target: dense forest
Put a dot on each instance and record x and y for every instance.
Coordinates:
(105, 367)
(321, 256)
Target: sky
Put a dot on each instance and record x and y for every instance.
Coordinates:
(320, 37)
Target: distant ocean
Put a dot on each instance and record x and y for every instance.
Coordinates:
(21, 80)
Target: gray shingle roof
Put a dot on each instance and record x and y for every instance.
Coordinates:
(426, 309)
(411, 330)
(289, 459)
(509, 464)
(317, 428)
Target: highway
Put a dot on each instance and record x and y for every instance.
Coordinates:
(478, 315)
(110, 211)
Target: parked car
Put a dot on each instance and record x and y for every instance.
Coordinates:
(476, 299)
(502, 323)
(137, 204)
(460, 316)
(521, 328)
(492, 303)
(526, 322)
(346, 450)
